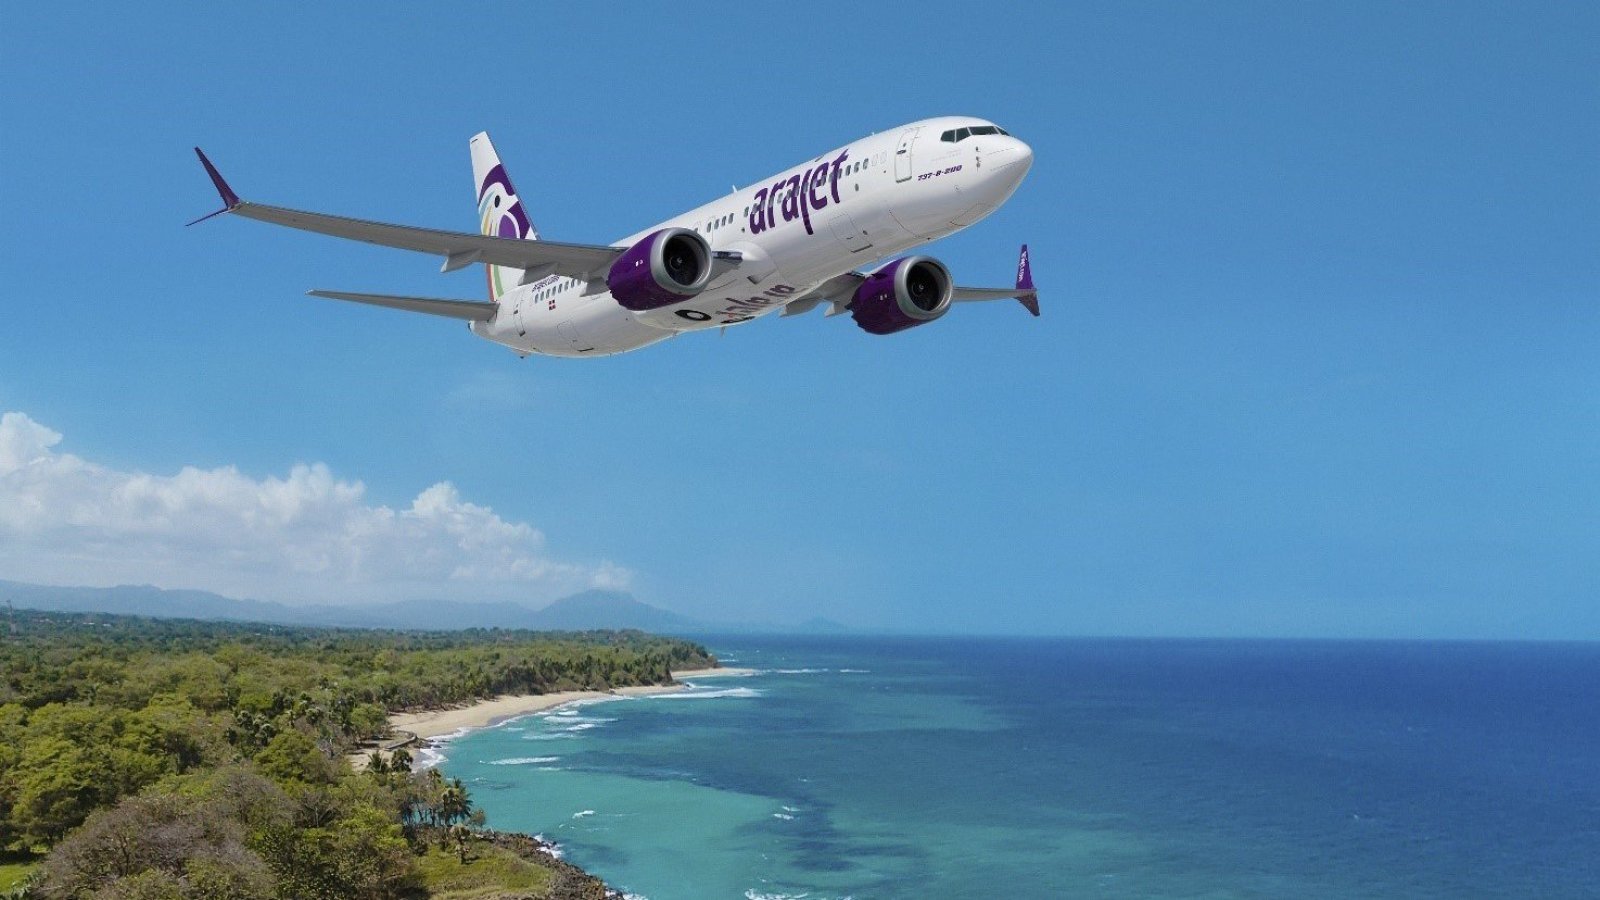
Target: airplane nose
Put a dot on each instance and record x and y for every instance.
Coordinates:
(1010, 161)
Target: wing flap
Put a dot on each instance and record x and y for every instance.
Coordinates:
(471, 310)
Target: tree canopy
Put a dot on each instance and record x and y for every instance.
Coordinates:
(168, 758)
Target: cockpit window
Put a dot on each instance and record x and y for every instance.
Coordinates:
(960, 134)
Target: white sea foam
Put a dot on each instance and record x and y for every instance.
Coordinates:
(792, 809)
(710, 695)
(524, 761)
(854, 671)
(550, 847)
(800, 671)
(583, 813)
(431, 753)
(784, 816)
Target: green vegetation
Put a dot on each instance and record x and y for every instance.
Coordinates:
(14, 872)
(174, 759)
(489, 872)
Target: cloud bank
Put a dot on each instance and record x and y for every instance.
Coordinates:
(305, 537)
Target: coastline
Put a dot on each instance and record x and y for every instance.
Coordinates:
(432, 724)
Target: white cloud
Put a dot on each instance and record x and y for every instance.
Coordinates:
(306, 537)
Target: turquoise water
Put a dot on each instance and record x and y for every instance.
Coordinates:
(871, 768)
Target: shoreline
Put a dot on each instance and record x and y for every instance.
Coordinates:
(433, 724)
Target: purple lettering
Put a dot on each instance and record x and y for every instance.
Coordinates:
(819, 177)
(772, 202)
(838, 163)
(791, 198)
(805, 204)
(758, 214)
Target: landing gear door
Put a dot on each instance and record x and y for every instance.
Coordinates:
(902, 155)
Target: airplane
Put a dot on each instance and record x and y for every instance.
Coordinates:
(791, 242)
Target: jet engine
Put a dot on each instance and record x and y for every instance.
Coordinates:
(667, 267)
(911, 291)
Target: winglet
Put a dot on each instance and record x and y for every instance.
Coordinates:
(1029, 298)
(229, 198)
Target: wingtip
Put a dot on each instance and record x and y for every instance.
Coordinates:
(1024, 270)
(229, 198)
(1029, 300)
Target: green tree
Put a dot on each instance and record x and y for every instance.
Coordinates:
(292, 757)
(60, 783)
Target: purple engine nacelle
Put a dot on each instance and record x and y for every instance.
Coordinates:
(668, 267)
(911, 291)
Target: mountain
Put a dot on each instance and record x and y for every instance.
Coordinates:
(611, 609)
(141, 600)
(580, 612)
(589, 610)
(819, 625)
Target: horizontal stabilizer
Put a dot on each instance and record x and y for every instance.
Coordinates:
(471, 310)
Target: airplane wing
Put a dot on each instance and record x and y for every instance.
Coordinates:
(1023, 292)
(583, 261)
(471, 310)
(840, 289)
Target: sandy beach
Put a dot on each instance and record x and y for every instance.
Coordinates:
(433, 723)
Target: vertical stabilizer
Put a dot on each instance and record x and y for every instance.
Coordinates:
(500, 210)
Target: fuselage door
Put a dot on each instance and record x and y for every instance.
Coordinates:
(849, 233)
(902, 155)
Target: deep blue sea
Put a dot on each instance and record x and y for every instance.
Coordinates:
(977, 768)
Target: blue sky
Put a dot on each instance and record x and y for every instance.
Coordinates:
(1318, 353)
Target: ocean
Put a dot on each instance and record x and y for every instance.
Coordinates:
(1018, 768)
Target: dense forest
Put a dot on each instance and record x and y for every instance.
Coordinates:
(145, 758)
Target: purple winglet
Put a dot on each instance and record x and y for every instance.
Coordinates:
(1029, 299)
(229, 198)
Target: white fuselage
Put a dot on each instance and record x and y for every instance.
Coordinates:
(876, 197)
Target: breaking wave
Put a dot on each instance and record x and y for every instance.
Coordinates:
(525, 761)
(710, 695)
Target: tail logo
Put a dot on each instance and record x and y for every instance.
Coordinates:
(500, 213)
